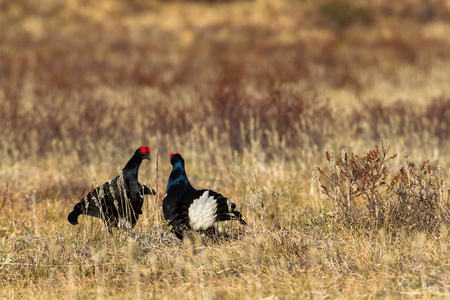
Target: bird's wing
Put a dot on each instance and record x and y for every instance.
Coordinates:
(92, 203)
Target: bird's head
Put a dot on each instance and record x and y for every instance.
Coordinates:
(176, 157)
(143, 153)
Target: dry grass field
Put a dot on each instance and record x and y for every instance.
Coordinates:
(277, 104)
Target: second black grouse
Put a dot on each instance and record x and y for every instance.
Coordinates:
(185, 207)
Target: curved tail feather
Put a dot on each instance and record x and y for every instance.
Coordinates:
(237, 213)
(73, 216)
(201, 209)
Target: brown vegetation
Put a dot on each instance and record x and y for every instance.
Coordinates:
(252, 93)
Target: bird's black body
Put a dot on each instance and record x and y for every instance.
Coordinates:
(181, 203)
(177, 187)
(119, 201)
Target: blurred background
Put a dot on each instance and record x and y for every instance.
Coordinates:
(84, 83)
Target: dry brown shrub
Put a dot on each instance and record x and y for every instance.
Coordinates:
(364, 195)
(420, 202)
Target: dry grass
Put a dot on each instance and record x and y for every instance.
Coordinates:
(252, 93)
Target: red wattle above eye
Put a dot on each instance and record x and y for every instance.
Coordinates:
(143, 149)
(148, 149)
(171, 154)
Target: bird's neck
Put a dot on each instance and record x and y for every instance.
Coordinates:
(132, 167)
(178, 177)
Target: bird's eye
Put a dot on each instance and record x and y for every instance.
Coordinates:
(143, 149)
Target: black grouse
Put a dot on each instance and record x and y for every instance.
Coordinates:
(117, 202)
(184, 207)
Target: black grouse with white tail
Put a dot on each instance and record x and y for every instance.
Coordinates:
(184, 207)
(119, 201)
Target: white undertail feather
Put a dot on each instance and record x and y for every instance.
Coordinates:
(202, 212)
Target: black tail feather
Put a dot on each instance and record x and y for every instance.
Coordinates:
(238, 216)
(225, 211)
(73, 216)
(222, 209)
